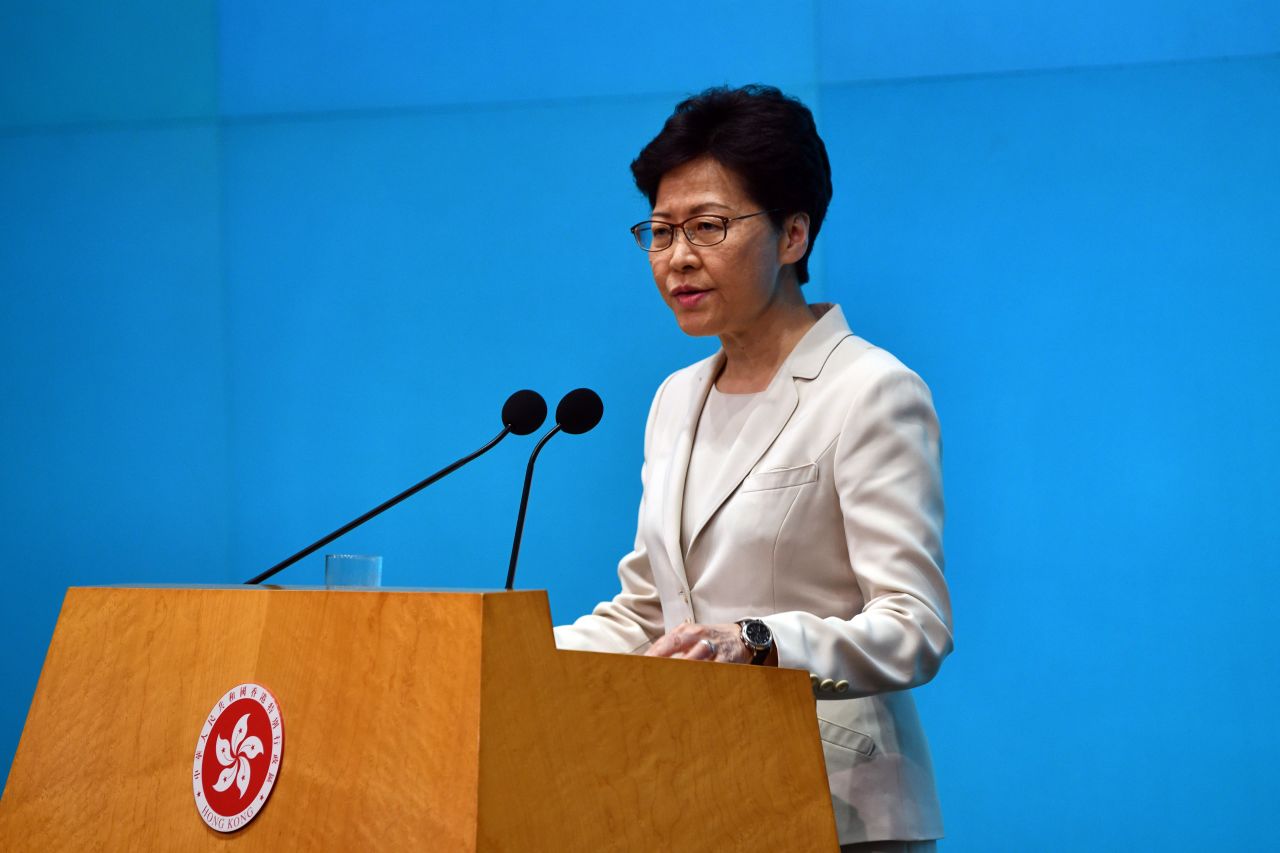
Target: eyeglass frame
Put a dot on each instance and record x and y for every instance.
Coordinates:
(724, 222)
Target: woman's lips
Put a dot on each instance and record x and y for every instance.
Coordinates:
(689, 298)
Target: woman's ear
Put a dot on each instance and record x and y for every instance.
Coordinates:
(794, 240)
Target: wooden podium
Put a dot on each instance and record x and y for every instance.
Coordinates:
(413, 720)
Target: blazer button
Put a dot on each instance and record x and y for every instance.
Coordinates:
(814, 680)
(842, 686)
(827, 685)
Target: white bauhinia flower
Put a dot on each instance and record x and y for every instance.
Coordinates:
(234, 757)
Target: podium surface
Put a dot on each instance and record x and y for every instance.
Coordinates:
(443, 721)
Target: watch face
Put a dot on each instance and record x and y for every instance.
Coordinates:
(758, 634)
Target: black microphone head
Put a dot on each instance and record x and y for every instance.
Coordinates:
(524, 412)
(579, 411)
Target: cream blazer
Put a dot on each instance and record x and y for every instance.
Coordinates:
(827, 525)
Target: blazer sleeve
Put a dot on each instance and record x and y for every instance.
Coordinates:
(632, 619)
(887, 470)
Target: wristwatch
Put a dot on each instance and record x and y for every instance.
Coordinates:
(758, 639)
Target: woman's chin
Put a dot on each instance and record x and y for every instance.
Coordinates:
(695, 325)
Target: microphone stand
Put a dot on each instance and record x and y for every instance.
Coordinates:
(524, 504)
(407, 493)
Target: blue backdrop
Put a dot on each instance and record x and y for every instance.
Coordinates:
(267, 264)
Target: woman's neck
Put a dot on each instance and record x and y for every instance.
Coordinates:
(753, 356)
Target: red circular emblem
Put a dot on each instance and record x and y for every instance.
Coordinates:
(237, 757)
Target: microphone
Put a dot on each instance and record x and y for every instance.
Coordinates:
(523, 413)
(579, 411)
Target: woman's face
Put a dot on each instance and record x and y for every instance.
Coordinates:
(723, 289)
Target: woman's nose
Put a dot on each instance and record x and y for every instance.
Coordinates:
(683, 253)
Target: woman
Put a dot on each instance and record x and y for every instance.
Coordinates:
(792, 506)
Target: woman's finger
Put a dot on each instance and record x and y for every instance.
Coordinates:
(699, 642)
(686, 645)
(666, 646)
(707, 645)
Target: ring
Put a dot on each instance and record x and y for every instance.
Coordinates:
(711, 646)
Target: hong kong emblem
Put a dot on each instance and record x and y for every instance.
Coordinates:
(237, 757)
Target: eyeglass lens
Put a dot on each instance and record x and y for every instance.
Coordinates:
(701, 231)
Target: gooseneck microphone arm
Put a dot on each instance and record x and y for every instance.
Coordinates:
(382, 507)
(523, 413)
(579, 411)
(524, 504)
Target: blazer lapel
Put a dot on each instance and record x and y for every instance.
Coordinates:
(767, 421)
(673, 498)
(775, 408)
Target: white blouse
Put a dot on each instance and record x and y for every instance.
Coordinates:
(723, 417)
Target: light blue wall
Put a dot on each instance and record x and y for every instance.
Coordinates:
(299, 55)
(267, 264)
(68, 62)
(896, 39)
(389, 294)
(1084, 265)
(114, 379)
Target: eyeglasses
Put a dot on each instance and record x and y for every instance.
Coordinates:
(705, 230)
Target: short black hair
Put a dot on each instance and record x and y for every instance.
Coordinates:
(769, 139)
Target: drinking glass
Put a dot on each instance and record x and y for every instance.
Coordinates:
(352, 570)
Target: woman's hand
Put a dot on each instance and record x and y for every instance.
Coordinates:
(722, 643)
